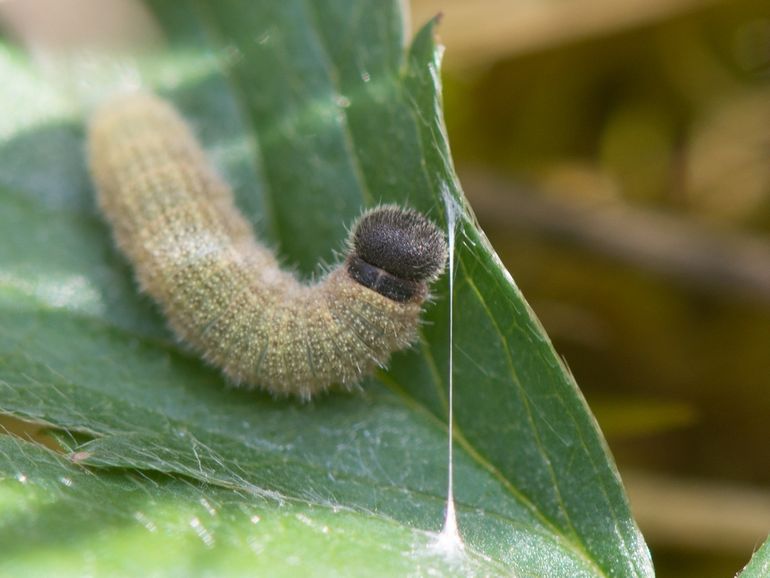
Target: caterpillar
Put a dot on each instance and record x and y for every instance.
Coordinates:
(222, 292)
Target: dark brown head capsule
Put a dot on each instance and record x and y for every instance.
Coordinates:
(396, 252)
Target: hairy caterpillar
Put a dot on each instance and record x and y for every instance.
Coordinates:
(222, 292)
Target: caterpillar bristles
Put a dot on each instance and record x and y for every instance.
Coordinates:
(223, 293)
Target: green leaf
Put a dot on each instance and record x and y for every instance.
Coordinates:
(311, 113)
(58, 519)
(759, 565)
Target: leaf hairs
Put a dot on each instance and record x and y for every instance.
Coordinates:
(223, 292)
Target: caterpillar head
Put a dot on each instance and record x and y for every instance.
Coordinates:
(396, 252)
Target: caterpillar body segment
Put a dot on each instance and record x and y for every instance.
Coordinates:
(223, 292)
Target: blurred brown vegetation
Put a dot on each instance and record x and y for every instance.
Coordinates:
(618, 156)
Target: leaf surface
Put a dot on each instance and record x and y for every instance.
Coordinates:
(759, 565)
(311, 113)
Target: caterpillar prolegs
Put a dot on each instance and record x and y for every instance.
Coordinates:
(223, 292)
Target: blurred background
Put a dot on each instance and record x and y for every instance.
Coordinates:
(617, 154)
